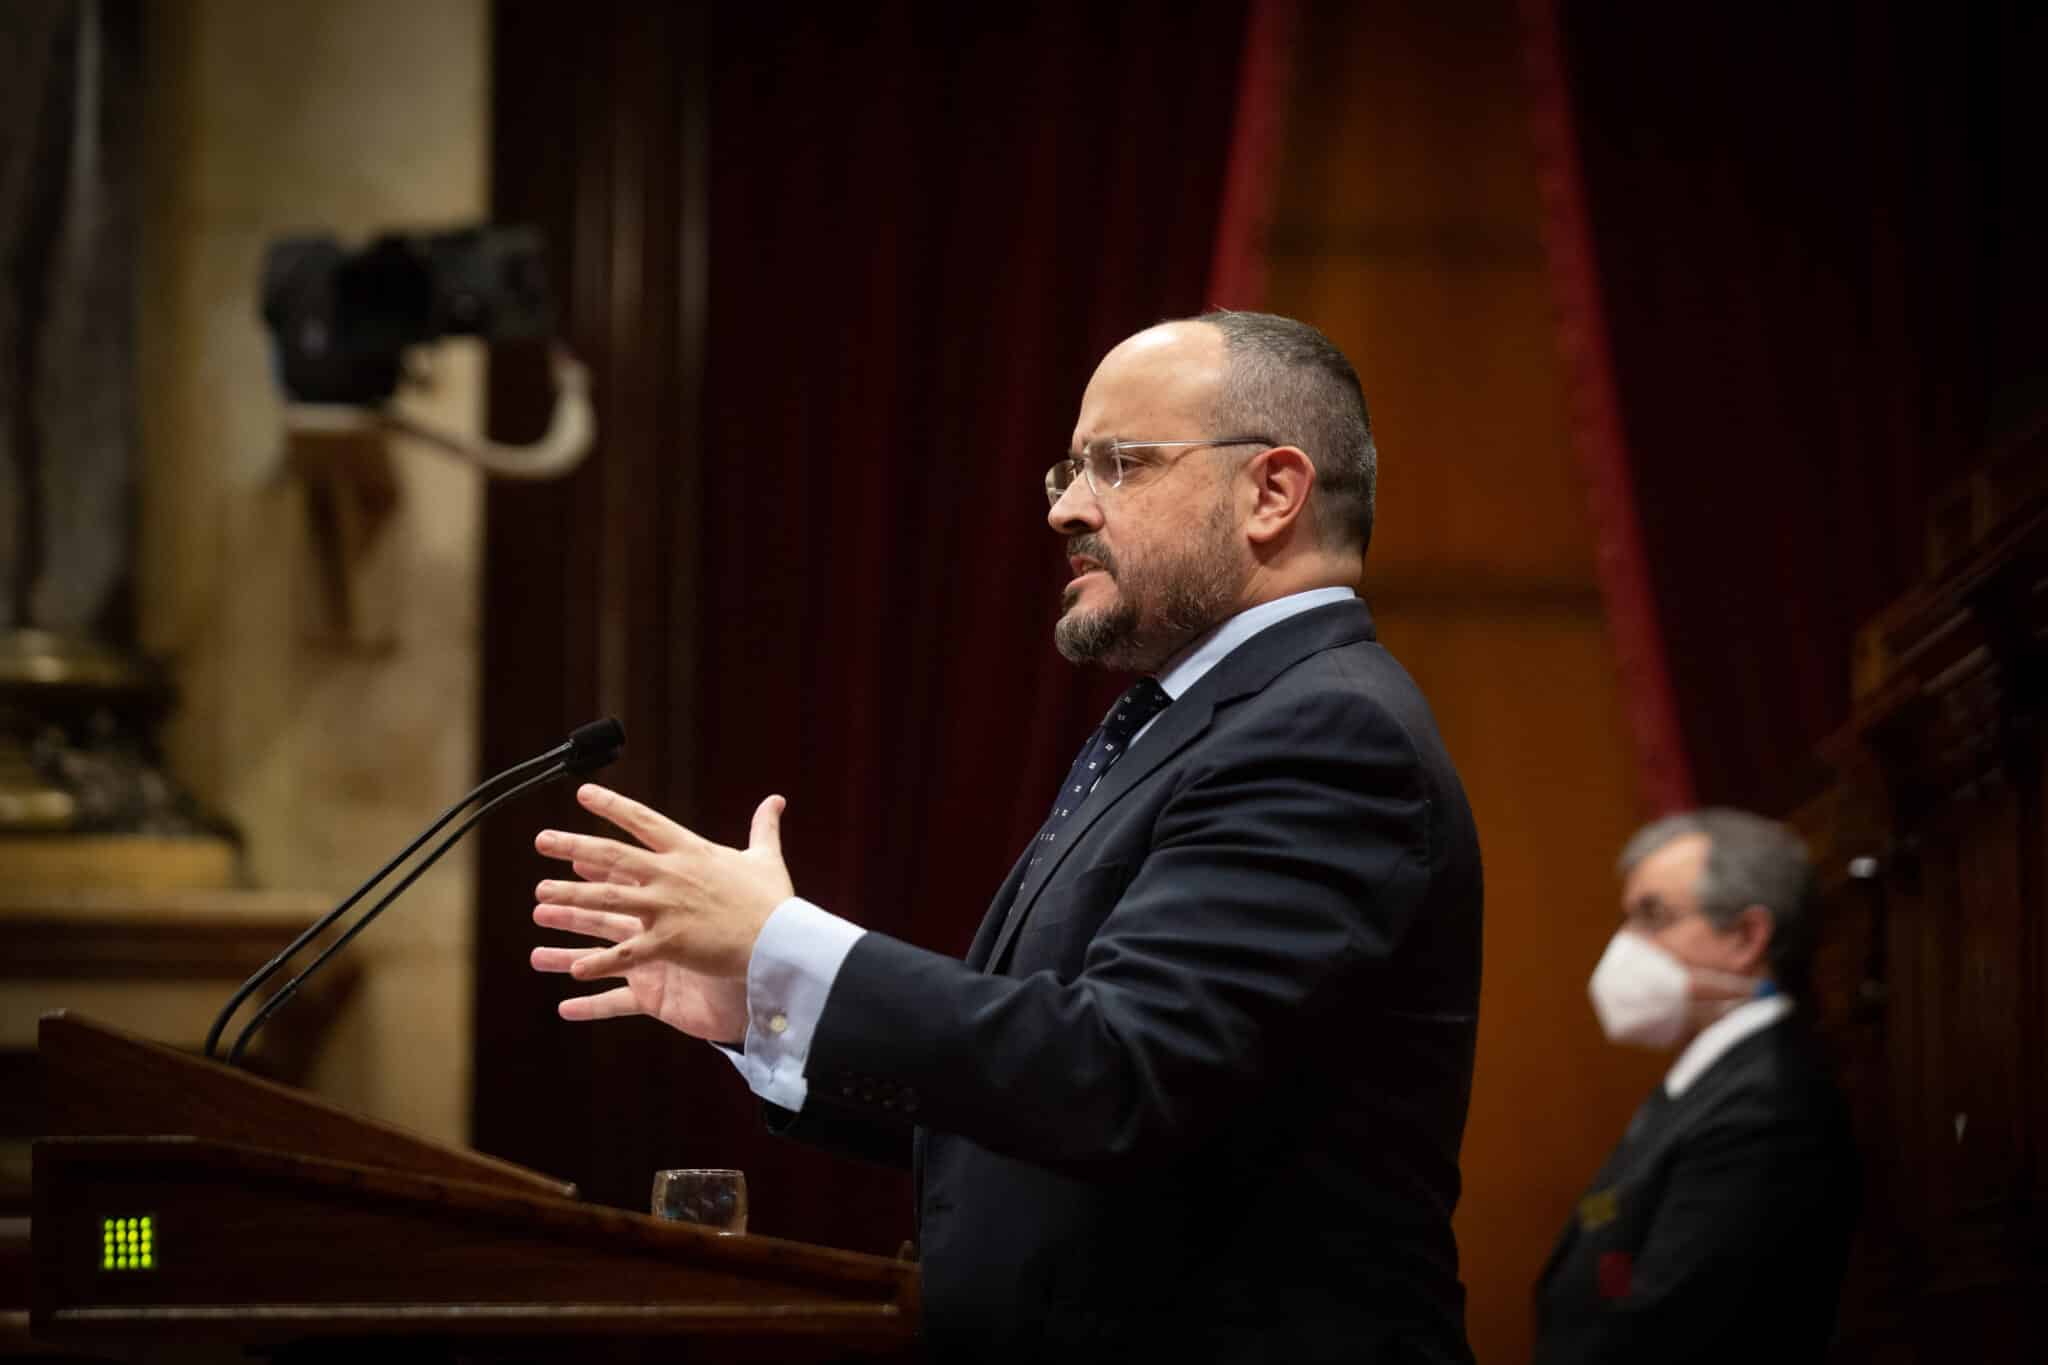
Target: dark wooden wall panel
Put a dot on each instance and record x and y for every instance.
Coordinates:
(1943, 1035)
(595, 142)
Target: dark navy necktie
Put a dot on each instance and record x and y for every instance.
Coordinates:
(1143, 701)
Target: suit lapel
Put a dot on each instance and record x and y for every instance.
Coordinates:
(981, 953)
(1557, 1253)
(1178, 726)
(1660, 1115)
(1657, 1112)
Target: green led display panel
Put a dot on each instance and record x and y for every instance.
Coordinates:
(128, 1243)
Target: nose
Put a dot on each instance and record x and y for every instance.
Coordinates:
(1077, 510)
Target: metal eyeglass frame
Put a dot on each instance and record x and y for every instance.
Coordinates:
(1060, 477)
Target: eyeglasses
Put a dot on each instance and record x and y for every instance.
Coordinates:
(1105, 465)
(1653, 916)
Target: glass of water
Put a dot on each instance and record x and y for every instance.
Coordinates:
(711, 1198)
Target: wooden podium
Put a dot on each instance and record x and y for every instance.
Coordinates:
(186, 1210)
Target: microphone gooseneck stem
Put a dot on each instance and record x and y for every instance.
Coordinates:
(270, 968)
(286, 992)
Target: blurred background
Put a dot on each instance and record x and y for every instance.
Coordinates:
(1703, 350)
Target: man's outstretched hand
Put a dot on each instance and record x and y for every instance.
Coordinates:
(681, 915)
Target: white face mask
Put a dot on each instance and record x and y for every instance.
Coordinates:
(1640, 993)
(1643, 994)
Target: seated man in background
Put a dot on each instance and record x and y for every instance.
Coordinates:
(1719, 1227)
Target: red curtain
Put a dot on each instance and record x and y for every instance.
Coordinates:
(1798, 260)
(1664, 771)
(919, 226)
(1237, 274)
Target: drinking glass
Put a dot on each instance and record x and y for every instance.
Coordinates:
(715, 1199)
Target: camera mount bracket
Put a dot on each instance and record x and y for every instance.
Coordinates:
(342, 453)
(572, 427)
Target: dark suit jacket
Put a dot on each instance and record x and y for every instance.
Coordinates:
(1719, 1228)
(1206, 1090)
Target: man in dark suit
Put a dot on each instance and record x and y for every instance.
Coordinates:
(1201, 1082)
(1719, 1228)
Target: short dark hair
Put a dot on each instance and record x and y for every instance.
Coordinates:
(1750, 861)
(1288, 382)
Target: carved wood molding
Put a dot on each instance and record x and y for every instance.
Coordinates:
(1930, 846)
(1952, 680)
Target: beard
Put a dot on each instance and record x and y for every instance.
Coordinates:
(1162, 601)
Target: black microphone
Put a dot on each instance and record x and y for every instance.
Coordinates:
(588, 748)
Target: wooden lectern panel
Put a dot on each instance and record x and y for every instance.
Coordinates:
(142, 1237)
(101, 1082)
(184, 1204)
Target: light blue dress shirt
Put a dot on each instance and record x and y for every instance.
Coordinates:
(801, 947)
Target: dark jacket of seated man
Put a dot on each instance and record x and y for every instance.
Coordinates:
(1719, 1227)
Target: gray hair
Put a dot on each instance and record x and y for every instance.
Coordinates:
(1289, 383)
(1750, 861)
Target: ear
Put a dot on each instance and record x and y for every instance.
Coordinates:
(1282, 480)
(1750, 939)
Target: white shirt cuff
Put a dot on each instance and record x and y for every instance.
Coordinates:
(795, 960)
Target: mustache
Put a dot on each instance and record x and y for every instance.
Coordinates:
(1089, 546)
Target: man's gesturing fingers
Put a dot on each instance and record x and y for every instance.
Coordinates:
(644, 823)
(596, 923)
(766, 835)
(591, 872)
(598, 963)
(556, 959)
(610, 1004)
(682, 901)
(610, 859)
(610, 897)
